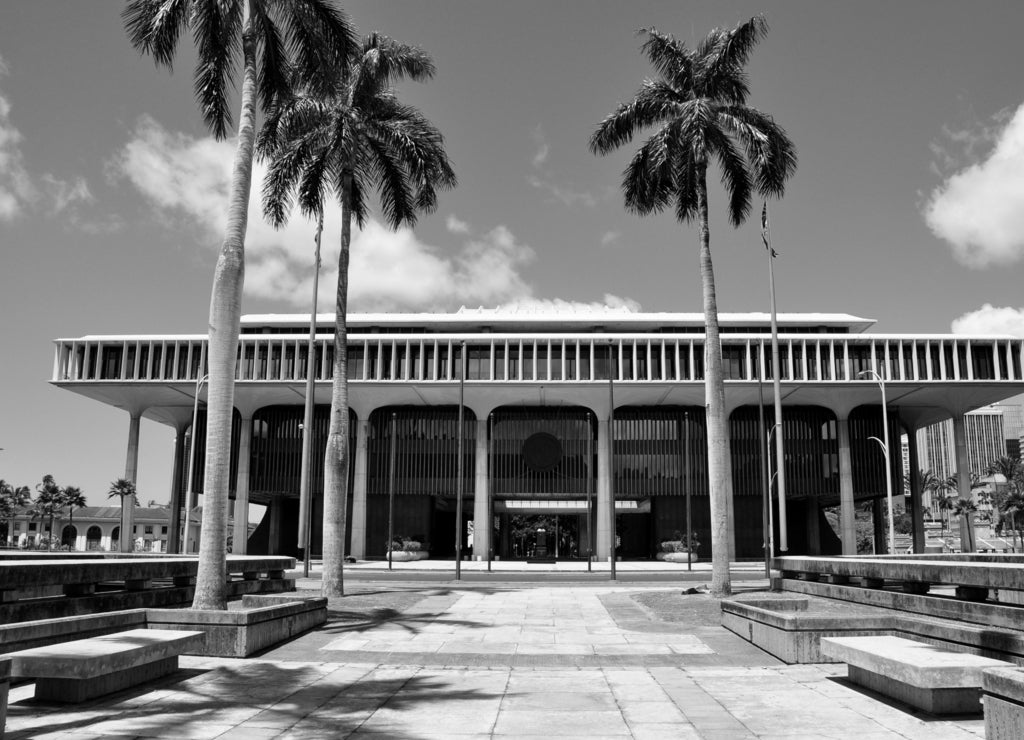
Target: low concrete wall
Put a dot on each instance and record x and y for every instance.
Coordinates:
(1003, 697)
(25, 635)
(238, 634)
(793, 635)
(5, 685)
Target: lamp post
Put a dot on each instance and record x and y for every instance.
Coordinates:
(780, 455)
(305, 493)
(885, 450)
(611, 455)
(191, 463)
(458, 483)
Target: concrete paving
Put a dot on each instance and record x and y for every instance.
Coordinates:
(586, 661)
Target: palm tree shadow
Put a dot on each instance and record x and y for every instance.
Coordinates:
(290, 697)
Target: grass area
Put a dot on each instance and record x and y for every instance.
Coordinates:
(699, 610)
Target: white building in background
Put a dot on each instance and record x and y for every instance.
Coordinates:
(98, 528)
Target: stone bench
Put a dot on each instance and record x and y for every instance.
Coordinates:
(73, 672)
(937, 681)
(1004, 703)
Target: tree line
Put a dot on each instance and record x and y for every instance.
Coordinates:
(50, 502)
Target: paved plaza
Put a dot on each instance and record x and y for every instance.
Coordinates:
(501, 660)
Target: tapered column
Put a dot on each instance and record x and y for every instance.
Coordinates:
(131, 470)
(603, 548)
(963, 479)
(358, 545)
(916, 503)
(482, 523)
(847, 513)
(240, 537)
(177, 491)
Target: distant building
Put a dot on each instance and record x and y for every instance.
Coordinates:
(98, 528)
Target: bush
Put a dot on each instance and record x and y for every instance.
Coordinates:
(406, 544)
(681, 543)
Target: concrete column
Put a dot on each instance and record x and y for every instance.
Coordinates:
(847, 513)
(131, 470)
(916, 494)
(358, 545)
(274, 536)
(240, 544)
(482, 523)
(963, 479)
(177, 493)
(603, 547)
(813, 524)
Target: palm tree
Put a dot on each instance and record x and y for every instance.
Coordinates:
(12, 500)
(347, 139)
(265, 32)
(698, 104)
(73, 499)
(49, 502)
(124, 488)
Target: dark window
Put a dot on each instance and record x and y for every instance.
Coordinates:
(733, 363)
(478, 363)
(356, 360)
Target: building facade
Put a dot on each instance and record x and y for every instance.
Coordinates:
(562, 415)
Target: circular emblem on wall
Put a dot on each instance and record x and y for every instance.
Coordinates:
(542, 452)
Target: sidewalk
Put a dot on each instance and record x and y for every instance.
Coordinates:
(501, 660)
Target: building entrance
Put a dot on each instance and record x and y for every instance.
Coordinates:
(541, 536)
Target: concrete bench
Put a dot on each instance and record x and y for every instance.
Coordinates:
(937, 681)
(73, 672)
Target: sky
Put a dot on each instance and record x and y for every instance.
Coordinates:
(907, 206)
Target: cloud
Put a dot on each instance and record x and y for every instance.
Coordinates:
(456, 226)
(186, 180)
(979, 210)
(16, 188)
(541, 156)
(562, 194)
(64, 194)
(610, 303)
(991, 320)
(608, 237)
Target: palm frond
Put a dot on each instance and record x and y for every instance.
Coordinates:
(670, 57)
(319, 35)
(216, 27)
(275, 70)
(735, 174)
(154, 27)
(654, 103)
(648, 182)
(771, 154)
(722, 54)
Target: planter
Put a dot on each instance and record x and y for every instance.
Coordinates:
(405, 556)
(677, 557)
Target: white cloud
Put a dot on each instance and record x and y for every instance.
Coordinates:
(562, 194)
(186, 180)
(455, 225)
(979, 210)
(557, 305)
(64, 193)
(16, 188)
(991, 320)
(608, 237)
(541, 155)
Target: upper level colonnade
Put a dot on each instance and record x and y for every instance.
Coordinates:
(639, 357)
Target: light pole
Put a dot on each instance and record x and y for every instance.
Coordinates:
(305, 493)
(885, 449)
(611, 455)
(780, 455)
(191, 462)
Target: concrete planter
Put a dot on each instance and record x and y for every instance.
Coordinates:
(1003, 690)
(406, 556)
(264, 621)
(677, 557)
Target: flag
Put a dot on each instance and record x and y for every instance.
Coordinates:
(764, 229)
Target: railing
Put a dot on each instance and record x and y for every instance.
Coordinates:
(548, 358)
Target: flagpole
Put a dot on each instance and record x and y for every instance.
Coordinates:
(780, 454)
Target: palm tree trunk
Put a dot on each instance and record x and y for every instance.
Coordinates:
(719, 473)
(225, 316)
(336, 460)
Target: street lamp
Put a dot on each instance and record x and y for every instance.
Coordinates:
(191, 462)
(885, 449)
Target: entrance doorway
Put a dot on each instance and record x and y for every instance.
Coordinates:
(541, 536)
